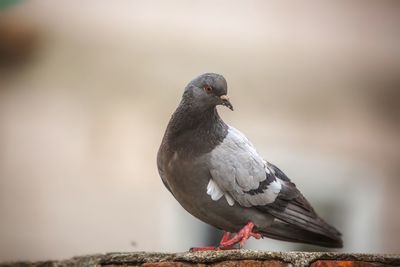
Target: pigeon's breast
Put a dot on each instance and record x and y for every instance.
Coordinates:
(186, 175)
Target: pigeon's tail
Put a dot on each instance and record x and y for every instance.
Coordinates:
(298, 222)
(287, 232)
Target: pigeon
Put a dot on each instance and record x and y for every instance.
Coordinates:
(217, 175)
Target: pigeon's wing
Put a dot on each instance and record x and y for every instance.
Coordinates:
(293, 209)
(288, 232)
(240, 175)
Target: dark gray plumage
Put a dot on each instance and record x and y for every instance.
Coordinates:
(216, 174)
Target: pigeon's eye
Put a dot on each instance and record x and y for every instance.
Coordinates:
(207, 88)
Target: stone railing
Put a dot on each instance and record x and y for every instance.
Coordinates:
(231, 258)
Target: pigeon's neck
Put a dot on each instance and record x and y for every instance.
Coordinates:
(193, 132)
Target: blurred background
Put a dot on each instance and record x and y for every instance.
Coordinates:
(87, 89)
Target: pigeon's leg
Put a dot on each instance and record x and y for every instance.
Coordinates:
(228, 243)
(241, 237)
(225, 238)
(222, 243)
(247, 233)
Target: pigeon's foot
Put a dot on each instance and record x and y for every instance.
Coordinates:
(229, 243)
(241, 237)
(224, 239)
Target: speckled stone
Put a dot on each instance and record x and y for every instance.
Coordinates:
(227, 258)
(333, 263)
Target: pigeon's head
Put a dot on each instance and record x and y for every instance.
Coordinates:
(207, 91)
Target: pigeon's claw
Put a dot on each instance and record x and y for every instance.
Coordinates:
(226, 237)
(229, 243)
(241, 237)
(247, 233)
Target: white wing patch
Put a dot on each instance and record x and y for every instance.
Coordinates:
(229, 199)
(214, 191)
(275, 187)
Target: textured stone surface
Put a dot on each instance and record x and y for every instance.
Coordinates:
(239, 263)
(228, 258)
(332, 263)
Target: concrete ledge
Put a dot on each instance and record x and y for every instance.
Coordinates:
(222, 258)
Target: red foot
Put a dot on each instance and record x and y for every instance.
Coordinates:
(229, 243)
(224, 239)
(241, 237)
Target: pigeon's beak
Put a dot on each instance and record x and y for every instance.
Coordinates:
(225, 101)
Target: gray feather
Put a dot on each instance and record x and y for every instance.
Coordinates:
(286, 232)
(237, 169)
